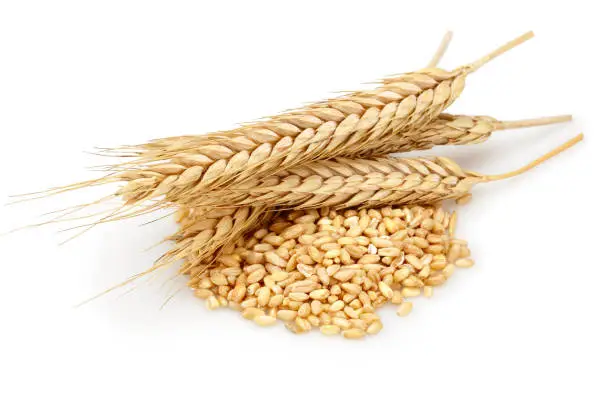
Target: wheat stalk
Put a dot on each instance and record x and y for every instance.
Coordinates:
(191, 165)
(342, 183)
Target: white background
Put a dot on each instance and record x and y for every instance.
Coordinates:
(528, 326)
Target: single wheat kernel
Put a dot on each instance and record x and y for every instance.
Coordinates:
(397, 297)
(336, 306)
(316, 307)
(351, 288)
(203, 293)
(369, 259)
(344, 275)
(251, 302)
(464, 263)
(264, 320)
(304, 310)
(379, 242)
(276, 300)
(375, 327)
(414, 261)
(218, 279)
(314, 321)
(252, 312)
(256, 276)
(286, 315)
(358, 324)
(385, 290)
(404, 309)
(436, 280)
(303, 324)
(274, 259)
(293, 232)
(299, 296)
(353, 334)
(425, 272)
(393, 252)
(335, 290)
(350, 312)
(452, 224)
(213, 303)
(325, 318)
(438, 263)
(410, 292)
(448, 270)
(341, 322)
(428, 291)
(231, 271)
(319, 294)
(330, 329)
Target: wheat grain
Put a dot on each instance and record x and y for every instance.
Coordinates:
(464, 263)
(404, 309)
(264, 320)
(353, 334)
(330, 329)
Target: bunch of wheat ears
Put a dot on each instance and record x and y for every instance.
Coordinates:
(303, 216)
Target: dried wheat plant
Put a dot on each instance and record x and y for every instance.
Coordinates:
(190, 166)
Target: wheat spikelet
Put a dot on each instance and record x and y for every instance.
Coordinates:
(342, 183)
(190, 165)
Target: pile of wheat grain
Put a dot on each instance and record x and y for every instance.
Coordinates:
(302, 217)
(332, 269)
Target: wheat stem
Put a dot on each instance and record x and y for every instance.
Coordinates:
(517, 124)
(435, 60)
(499, 51)
(538, 161)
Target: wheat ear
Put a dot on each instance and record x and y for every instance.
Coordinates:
(342, 183)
